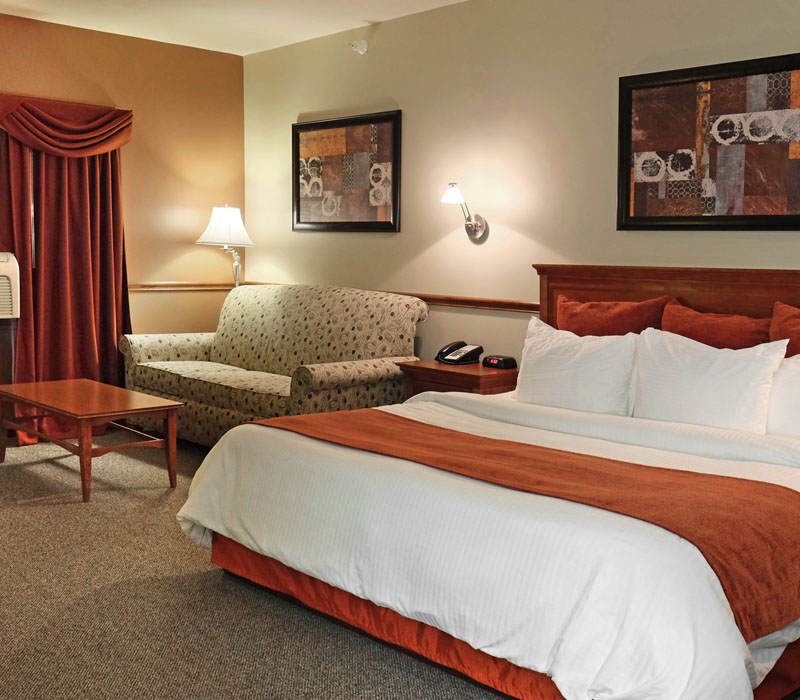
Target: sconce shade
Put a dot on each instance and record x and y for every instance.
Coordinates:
(225, 228)
(452, 195)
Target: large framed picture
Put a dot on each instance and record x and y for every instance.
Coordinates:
(716, 147)
(347, 173)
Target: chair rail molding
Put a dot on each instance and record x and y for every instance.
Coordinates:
(483, 303)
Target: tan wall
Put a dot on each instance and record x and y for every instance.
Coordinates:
(185, 157)
(517, 101)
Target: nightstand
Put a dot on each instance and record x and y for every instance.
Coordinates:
(429, 375)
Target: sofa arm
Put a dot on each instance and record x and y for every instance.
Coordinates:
(340, 375)
(339, 386)
(163, 347)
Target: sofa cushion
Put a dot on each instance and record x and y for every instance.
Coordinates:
(277, 328)
(214, 384)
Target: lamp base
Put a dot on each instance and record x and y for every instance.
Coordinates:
(237, 266)
(475, 226)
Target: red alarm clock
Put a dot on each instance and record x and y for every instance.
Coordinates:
(499, 362)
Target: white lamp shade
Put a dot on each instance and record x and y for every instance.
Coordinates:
(452, 195)
(225, 228)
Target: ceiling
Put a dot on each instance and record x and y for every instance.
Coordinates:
(233, 26)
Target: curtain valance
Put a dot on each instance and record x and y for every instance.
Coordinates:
(66, 129)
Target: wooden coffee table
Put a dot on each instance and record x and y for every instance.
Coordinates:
(87, 403)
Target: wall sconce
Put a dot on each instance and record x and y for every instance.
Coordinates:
(474, 224)
(226, 228)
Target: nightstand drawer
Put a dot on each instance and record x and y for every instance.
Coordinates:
(429, 375)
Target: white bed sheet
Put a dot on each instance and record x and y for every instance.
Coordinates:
(612, 608)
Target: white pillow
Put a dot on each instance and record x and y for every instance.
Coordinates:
(681, 380)
(784, 402)
(582, 373)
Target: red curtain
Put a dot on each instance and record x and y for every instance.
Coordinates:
(80, 306)
(15, 228)
(64, 157)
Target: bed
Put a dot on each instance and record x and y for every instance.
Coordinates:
(541, 598)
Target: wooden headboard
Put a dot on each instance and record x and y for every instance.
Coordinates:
(717, 290)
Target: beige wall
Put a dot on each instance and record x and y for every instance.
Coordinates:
(517, 101)
(186, 154)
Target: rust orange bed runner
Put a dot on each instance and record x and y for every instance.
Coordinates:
(748, 531)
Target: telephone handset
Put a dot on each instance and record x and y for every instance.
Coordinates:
(459, 353)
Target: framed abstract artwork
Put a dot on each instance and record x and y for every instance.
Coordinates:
(716, 147)
(347, 173)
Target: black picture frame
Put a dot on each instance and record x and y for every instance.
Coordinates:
(757, 211)
(326, 212)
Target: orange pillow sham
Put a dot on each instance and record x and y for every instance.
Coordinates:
(786, 324)
(718, 330)
(609, 317)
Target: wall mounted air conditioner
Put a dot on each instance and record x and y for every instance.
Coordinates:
(9, 286)
(9, 313)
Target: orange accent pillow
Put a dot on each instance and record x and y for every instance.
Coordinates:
(786, 324)
(717, 330)
(609, 317)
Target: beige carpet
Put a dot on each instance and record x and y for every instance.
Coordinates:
(109, 599)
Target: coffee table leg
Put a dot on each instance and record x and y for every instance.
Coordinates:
(171, 422)
(85, 448)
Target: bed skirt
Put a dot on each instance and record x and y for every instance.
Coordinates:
(428, 641)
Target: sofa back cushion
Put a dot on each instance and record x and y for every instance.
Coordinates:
(277, 328)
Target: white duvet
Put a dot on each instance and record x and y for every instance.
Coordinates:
(609, 606)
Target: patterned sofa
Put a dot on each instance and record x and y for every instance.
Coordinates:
(278, 350)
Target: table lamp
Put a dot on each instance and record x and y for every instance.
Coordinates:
(226, 228)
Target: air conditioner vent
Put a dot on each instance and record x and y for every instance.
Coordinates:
(6, 299)
(9, 286)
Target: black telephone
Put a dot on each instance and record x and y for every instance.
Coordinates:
(459, 353)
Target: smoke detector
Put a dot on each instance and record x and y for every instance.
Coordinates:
(359, 46)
